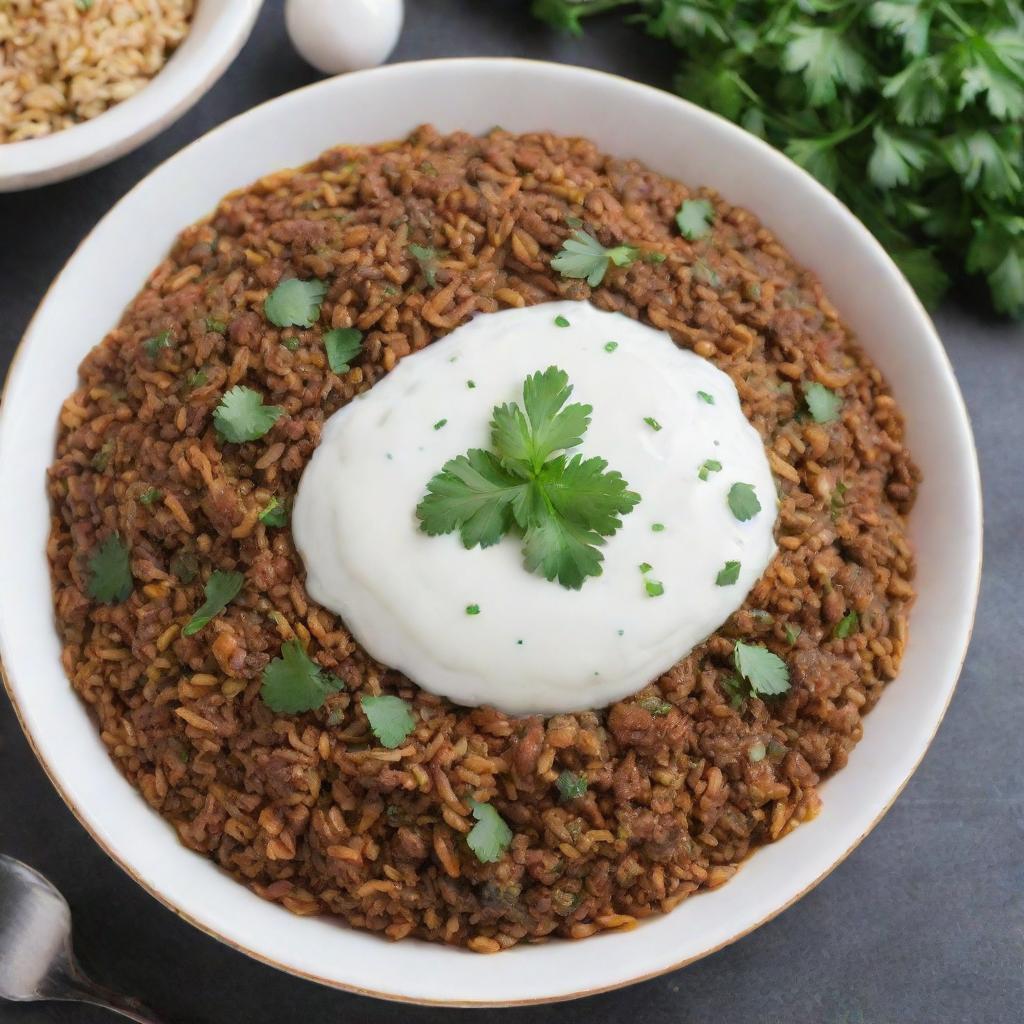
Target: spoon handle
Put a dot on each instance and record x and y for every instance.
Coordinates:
(84, 990)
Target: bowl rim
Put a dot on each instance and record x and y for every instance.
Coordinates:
(124, 126)
(972, 586)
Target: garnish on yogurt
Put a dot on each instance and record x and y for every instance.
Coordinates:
(563, 508)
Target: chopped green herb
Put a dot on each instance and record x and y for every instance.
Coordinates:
(150, 495)
(707, 467)
(728, 574)
(743, 501)
(766, 673)
(428, 169)
(736, 691)
(705, 397)
(473, 609)
(185, 565)
(426, 257)
(571, 785)
(792, 632)
(216, 326)
(110, 572)
(157, 343)
(562, 507)
(652, 423)
(695, 218)
(560, 321)
(705, 273)
(439, 424)
(837, 502)
(610, 346)
(654, 588)
(294, 682)
(655, 706)
(221, 588)
(470, 383)
(391, 719)
(295, 303)
(292, 344)
(102, 458)
(583, 256)
(490, 837)
(846, 625)
(197, 379)
(274, 514)
(822, 404)
(654, 257)
(242, 416)
(343, 344)
(657, 527)
(645, 566)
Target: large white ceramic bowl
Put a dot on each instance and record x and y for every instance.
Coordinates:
(219, 30)
(623, 118)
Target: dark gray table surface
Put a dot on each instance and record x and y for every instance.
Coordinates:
(923, 924)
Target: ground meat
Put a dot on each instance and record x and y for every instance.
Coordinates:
(308, 810)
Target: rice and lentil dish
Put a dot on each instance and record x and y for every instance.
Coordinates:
(65, 61)
(677, 785)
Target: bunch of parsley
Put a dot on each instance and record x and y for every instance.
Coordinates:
(911, 111)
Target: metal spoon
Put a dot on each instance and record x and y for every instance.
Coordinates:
(36, 959)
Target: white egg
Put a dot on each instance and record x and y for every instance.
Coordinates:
(344, 35)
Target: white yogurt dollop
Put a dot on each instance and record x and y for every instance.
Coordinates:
(535, 646)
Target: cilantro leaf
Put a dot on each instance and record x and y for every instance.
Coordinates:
(242, 416)
(766, 673)
(390, 718)
(826, 60)
(426, 257)
(294, 682)
(157, 344)
(295, 303)
(490, 837)
(583, 256)
(743, 501)
(822, 404)
(571, 785)
(221, 588)
(274, 514)
(695, 218)
(343, 344)
(562, 506)
(846, 625)
(728, 574)
(110, 572)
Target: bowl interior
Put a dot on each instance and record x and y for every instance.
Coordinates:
(218, 30)
(625, 119)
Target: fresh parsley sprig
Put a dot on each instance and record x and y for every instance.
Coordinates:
(563, 507)
(911, 111)
(583, 256)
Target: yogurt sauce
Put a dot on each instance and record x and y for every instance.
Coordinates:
(535, 646)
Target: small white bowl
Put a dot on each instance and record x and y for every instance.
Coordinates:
(624, 118)
(218, 31)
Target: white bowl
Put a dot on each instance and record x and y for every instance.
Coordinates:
(622, 117)
(219, 30)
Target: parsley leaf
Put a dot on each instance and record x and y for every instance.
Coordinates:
(275, 514)
(110, 572)
(695, 218)
(157, 343)
(707, 467)
(343, 344)
(490, 837)
(294, 682)
(766, 673)
(822, 404)
(150, 495)
(571, 785)
(583, 256)
(792, 633)
(563, 507)
(743, 502)
(390, 718)
(705, 397)
(728, 574)
(221, 588)
(295, 303)
(426, 257)
(242, 416)
(846, 625)
(826, 60)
